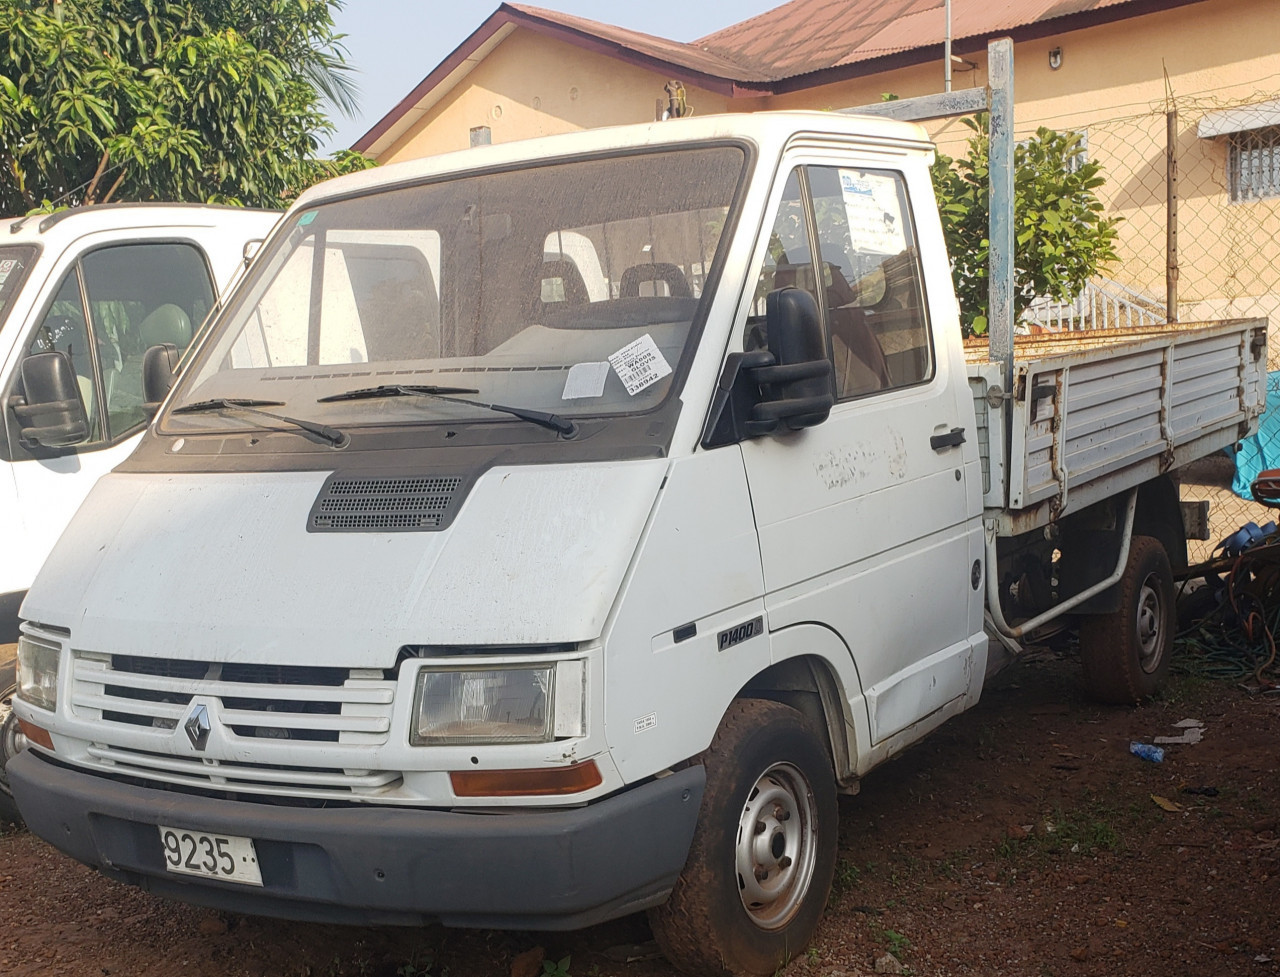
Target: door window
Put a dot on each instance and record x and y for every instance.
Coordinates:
(138, 296)
(141, 295)
(871, 294)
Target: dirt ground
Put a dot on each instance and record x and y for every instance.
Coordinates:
(1020, 839)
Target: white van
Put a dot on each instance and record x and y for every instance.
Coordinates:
(99, 285)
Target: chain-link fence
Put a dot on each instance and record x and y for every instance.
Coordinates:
(1221, 199)
(1195, 183)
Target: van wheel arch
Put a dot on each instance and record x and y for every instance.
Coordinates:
(809, 685)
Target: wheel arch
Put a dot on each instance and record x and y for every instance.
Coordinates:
(804, 676)
(1159, 515)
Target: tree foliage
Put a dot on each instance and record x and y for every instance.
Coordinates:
(202, 100)
(1061, 236)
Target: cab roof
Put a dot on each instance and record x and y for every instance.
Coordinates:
(769, 131)
(41, 228)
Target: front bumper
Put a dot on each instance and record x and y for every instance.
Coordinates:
(531, 869)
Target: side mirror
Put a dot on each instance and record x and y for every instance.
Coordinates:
(159, 367)
(789, 384)
(250, 249)
(51, 412)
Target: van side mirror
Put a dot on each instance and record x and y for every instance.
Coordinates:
(789, 384)
(250, 249)
(51, 412)
(159, 367)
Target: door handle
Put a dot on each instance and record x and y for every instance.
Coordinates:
(952, 439)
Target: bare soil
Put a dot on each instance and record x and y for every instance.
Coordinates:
(1020, 839)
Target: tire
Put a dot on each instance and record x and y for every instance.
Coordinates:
(739, 906)
(11, 741)
(1126, 654)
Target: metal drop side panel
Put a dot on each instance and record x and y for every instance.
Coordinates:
(1094, 417)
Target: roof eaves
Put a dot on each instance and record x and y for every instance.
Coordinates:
(717, 74)
(455, 60)
(908, 57)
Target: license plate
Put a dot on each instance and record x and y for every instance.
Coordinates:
(224, 857)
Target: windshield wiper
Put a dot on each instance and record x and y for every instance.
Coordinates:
(545, 419)
(330, 435)
(395, 390)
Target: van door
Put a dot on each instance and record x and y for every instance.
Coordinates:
(863, 520)
(108, 308)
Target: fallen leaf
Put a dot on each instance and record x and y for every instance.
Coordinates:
(1165, 804)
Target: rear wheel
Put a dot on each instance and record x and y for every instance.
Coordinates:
(1126, 654)
(763, 854)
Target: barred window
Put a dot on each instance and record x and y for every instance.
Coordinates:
(1253, 164)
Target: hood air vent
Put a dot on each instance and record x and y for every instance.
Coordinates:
(385, 503)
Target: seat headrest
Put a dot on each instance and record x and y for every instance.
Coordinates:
(572, 286)
(655, 271)
(166, 323)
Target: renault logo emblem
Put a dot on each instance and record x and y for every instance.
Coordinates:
(198, 726)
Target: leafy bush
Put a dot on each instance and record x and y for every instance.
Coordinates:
(1062, 238)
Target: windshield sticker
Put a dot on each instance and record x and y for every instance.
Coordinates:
(874, 215)
(6, 266)
(585, 380)
(640, 364)
(306, 218)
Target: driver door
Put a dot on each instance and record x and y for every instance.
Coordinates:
(864, 521)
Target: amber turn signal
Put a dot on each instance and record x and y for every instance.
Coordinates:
(35, 734)
(526, 783)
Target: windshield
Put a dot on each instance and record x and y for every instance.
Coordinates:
(15, 262)
(569, 288)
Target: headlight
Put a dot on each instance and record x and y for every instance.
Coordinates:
(38, 672)
(503, 704)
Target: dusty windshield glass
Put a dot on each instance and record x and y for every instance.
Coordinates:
(15, 262)
(568, 288)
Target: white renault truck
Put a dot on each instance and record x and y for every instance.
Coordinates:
(97, 286)
(551, 531)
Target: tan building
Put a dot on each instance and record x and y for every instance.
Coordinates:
(1109, 69)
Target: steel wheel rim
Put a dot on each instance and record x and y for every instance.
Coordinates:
(1150, 624)
(776, 848)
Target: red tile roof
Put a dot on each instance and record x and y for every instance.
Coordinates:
(805, 36)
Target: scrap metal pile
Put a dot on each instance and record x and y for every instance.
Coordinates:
(1229, 624)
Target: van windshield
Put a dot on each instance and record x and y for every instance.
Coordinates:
(569, 288)
(15, 262)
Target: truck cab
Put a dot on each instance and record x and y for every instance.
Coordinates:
(98, 285)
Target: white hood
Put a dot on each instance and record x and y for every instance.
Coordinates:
(220, 567)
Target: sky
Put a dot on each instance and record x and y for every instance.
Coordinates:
(394, 44)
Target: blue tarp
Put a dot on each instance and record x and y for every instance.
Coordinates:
(1260, 451)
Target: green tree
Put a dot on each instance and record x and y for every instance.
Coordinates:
(1061, 236)
(203, 100)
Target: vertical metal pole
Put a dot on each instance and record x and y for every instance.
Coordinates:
(1000, 231)
(1171, 216)
(946, 52)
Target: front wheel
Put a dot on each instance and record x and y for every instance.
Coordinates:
(763, 854)
(11, 741)
(1126, 654)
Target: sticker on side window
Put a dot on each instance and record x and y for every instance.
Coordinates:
(640, 364)
(585, 380)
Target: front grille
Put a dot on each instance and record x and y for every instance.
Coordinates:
(384, 503)
(316, 705)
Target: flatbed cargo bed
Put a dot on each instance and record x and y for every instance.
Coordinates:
(1098, 412)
